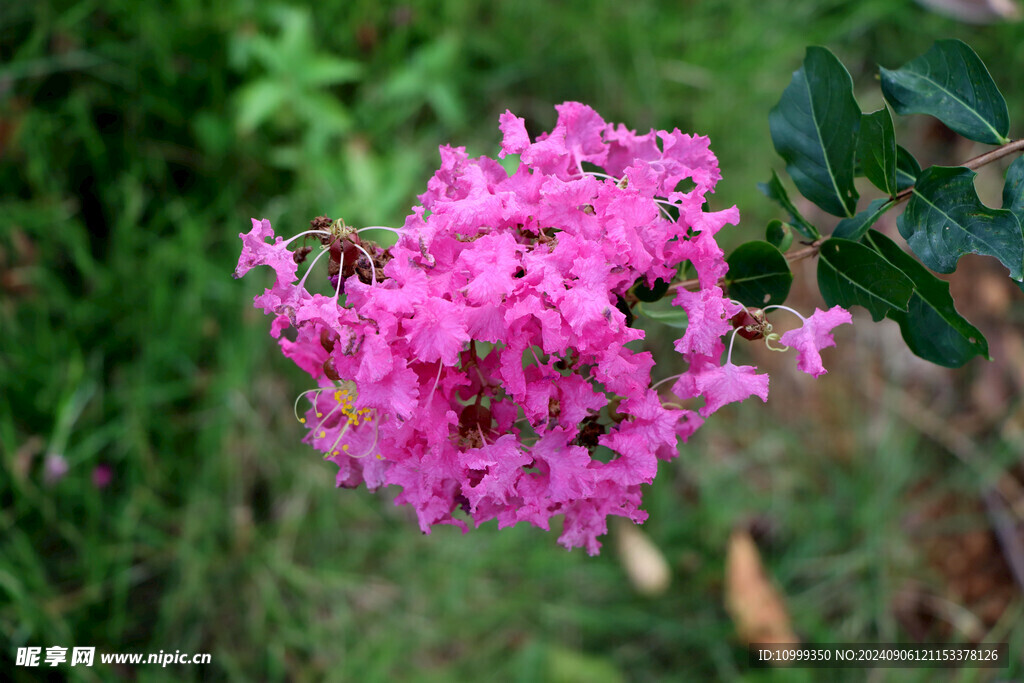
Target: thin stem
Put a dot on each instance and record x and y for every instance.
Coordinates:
(337, 287)
(380, 227)
(598, 174)
(976, 163)
(295, 406)
(662, 381)
(732, 341)
(303, 234)
(484, 384)
(324, 418)
(333, 450)
(661, 204)
(373, 445)
(302, 282)
(998, 153)
(373, 269)
(437, 379)
(784, 308)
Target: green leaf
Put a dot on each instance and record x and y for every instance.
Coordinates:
(951, 83)
(876, 149)
(779, 234)
(758, 275)
(257, 102)
(1013, 190)
(664, 312)
(774, 189)
(907, 169)
(645, 293)
(814, 129)
(850, 274)
(327, 70)
(931, 325)
(945, 220)
(322, 112)
(854, 228)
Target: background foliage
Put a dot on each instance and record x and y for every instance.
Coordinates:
(135, 142)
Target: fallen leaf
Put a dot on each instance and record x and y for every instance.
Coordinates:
(643, 562)
(753, 602)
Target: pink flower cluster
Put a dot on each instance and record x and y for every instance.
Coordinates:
(481, 363)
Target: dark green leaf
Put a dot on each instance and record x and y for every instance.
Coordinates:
(624, 308)
(814, 128)
(686, 270)
(851, 274)
(774, 189)
(854, 228)
(664, 312)
(779, 235)
(758, 275)
(951, 83)
(931, 325)
(645, 293)
(876, 149)
(907, 169)
(945, 220)
(1013, 190)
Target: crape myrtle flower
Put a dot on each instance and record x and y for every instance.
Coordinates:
(483, 364)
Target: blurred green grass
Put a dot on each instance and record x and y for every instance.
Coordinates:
(135, 142)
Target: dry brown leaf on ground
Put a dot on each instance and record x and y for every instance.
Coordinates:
(643, 562)
(752, 600)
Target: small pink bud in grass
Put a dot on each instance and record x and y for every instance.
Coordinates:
(54, 468)
(102, 475)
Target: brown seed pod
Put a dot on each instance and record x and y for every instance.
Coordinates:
(351, 256)
(750, 322)
(327, 340)
(473, 418)
(335, 258)
(330, 371)
(590, 431)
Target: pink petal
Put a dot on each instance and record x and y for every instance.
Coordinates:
(514, 129)
(813, 336)
(729, 383)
